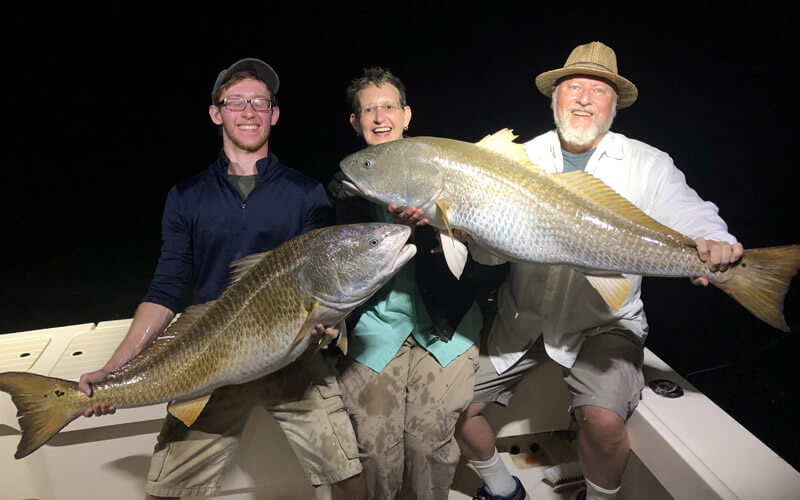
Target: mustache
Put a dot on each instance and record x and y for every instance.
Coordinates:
(587, 109)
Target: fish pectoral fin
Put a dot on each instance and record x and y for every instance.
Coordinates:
(323, 342)
(308, 324)
(455, 254)
(188, 411)
(613, 289)
(341, 342)
(445, 216)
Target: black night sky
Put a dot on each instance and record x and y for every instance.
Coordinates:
(106, 110)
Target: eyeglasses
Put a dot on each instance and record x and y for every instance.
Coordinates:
(261, 104)
(388, 108)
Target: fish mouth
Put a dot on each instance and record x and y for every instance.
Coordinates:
(405, 254)
(351, 188)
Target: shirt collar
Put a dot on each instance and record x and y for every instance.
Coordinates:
(611, 145)
(263, 166)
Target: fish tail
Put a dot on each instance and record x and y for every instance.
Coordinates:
(761, 279)
(42, 407)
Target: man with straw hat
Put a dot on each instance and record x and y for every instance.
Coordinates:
(552, 311)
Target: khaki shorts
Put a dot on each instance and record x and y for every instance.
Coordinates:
(405, 417)
(304, 399)
(607, 373)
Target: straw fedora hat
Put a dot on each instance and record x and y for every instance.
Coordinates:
(591, 59)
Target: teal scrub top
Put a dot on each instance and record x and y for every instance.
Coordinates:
(395, 312)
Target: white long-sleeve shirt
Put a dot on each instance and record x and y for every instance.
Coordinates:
(557, 301)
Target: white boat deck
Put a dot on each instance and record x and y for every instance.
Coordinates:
(683, 448)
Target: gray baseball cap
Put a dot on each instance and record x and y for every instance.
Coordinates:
(262, 70)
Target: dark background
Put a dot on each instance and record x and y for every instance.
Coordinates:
(107, 109)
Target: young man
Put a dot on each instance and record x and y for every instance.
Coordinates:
(410, 368)
(246, 202)
(552, 311)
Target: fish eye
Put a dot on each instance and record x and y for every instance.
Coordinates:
(373, 242)
(367, 163)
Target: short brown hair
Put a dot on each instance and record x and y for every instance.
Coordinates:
(376, 76)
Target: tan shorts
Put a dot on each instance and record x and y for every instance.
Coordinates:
(304, 399)
(405, 418)
(607, 373)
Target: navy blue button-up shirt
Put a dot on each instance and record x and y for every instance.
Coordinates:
(206, 225)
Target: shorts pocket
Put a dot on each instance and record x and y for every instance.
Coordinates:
(157, 463)
(343, 430)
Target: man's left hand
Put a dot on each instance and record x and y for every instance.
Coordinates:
(719, 255)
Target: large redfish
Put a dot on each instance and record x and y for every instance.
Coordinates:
(258, 325)
(521, 213)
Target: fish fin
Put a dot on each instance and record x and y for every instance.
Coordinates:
(242, 266)
(42, 407)
(188, 411)
(455, 254)
(308, 324)
(592, 188)
(760, 280)
(323, 342)
(341, 342)
(502, 142)
(613, 289)
(443, 208)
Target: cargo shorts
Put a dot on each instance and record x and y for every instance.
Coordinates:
(305, 400)
(405, 418)
(607, 373)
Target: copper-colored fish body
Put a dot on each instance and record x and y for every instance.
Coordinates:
(522, 214)
(257, 326)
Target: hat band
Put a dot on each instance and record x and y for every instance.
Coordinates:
(591, 65)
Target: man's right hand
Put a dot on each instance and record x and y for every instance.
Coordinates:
(85, 386)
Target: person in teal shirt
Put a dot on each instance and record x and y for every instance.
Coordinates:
(412, 355)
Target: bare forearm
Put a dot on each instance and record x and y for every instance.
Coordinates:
(148, 322)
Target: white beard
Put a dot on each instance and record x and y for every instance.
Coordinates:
(585, 137)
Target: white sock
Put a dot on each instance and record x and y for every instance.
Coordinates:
(494, 473)
(594, 492)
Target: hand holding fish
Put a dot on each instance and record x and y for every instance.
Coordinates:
(719, 255)
(409, 216)
(99, 408)
(322, 335)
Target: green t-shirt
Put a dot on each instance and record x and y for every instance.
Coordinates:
(243, 183)
(573, 162)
